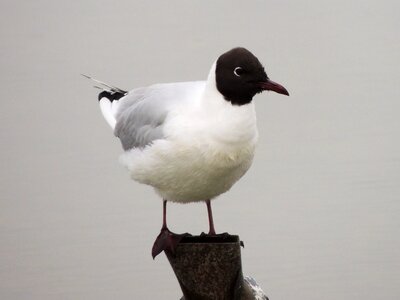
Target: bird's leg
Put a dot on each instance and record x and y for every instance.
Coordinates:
(210, 218)
(164, 223)
(166, 240)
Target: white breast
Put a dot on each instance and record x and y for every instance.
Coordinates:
(205, 153)
(188, 173)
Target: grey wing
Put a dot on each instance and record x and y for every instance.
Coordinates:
(140, 119)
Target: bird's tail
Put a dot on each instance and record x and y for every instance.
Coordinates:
(108, 99)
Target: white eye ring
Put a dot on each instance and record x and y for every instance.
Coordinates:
(238, 71)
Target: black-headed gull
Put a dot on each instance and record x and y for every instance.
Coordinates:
(191, 141)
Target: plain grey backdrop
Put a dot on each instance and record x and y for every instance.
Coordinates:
(318, 211)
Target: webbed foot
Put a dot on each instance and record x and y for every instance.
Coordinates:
(166, 241)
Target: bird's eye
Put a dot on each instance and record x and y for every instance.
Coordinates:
(238, 71)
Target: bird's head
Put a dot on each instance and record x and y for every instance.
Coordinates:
(240, 76)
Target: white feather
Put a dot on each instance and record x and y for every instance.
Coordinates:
(107, 111)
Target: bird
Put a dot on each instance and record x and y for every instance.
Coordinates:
(190, 141)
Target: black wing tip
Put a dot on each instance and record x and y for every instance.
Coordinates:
(112, 96)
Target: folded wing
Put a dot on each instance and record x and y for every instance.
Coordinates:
(142, 113)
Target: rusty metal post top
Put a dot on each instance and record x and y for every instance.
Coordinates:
(207, 239)
(208, 267)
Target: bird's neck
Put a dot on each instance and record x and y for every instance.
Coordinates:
(212, 98)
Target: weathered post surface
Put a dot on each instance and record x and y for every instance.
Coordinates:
(210, 268)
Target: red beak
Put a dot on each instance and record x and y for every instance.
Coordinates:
(269, 85)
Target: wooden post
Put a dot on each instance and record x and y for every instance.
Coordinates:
(210, 267)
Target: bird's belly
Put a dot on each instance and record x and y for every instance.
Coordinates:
(182, 173)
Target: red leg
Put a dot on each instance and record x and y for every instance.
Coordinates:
(210, 218)
(164, 223)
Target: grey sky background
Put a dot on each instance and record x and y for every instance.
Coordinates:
(318, 211)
